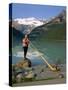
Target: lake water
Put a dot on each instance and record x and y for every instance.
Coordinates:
(52, 51)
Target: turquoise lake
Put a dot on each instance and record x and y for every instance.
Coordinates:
(53, 51)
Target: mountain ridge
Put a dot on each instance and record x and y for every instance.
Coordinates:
(55, 29)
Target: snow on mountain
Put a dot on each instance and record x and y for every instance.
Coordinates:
(29, 21)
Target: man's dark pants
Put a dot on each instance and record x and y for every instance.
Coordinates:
(25, 51)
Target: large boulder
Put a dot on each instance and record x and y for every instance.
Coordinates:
(24, 63)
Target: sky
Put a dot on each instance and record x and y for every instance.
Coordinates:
(20, 10)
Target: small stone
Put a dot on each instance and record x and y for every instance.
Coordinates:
(61, 76)
(35, 75)
(29, 75)
(19, 77)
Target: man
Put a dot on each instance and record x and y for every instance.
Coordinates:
(25, 43)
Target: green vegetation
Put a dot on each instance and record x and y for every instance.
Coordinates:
(56, 31)
(53, 31)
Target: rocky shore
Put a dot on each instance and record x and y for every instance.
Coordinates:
(24, 72)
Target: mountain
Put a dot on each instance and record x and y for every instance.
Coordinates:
(61, 17)
(26, 25)
(55, 29)
(15, 35)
